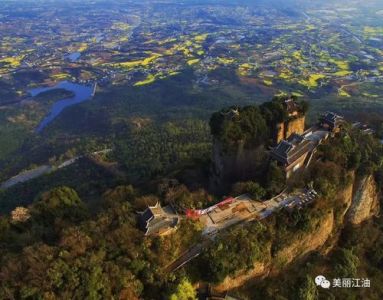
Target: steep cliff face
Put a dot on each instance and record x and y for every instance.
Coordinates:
(294, 125)
(365, 203)
(308, 242)
(259, 269)
(342, 202)
(234, 165)
(356, 203)
(297, 248)
(280, 128)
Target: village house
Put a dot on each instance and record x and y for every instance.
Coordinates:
(156, 220)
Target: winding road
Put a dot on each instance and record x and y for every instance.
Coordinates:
(28, 175)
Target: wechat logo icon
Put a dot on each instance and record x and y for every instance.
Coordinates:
(320, 280)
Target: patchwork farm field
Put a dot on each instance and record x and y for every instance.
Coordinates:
(166, 61)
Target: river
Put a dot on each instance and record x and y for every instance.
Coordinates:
(81, 92)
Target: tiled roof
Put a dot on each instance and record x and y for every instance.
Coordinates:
(288, 152)
(154, 218)
(331, 118)
(291, 106)
(162, 223)
(295, 139)
(149, 214)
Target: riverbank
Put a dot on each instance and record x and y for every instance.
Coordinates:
(81, 93)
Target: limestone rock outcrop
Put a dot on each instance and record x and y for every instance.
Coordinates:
(287, 128)
(365, 202)
(240, 164)
(357, 202)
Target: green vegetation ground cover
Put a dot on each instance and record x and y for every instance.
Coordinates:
(163, 120)
(84, 176)
(87, 257)
(355, 256)
(101, 253)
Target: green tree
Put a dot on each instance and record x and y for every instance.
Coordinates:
(328, 178)
(248, 126)
(346, 263)
(61, 202)
(233, 251)
(275, 178)
(249, 187)
(60, 197)
(122, 193)
(184, 291)
(4, 226)
(307, 290)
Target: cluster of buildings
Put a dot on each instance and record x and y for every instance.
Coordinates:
(297, 150)
(155, 220)
(294, 151)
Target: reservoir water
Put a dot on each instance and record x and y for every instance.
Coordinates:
(81, 94)
(74, 56)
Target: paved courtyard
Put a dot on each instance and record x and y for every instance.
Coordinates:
(244, 208)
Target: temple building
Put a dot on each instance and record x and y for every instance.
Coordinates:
(294, 153)
(156, 220)
(297, 150)
(291, 107)
(295, 122)
(331, 121)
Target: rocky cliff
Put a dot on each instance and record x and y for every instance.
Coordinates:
(242, 138)
(241, 163)
(235, 165)
(356, 203)
(295, 250)
(285, 129)
(306, 243)
(365, 203)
